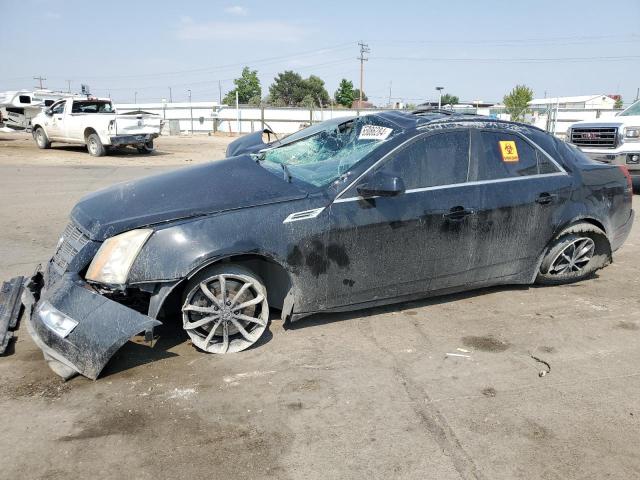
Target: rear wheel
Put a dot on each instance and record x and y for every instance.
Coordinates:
(41, 138)
(574, 256)
(94, 146)
(145, 147)
(225, 309)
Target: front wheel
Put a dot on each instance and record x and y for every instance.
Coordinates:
(41, 138)
(225, 309)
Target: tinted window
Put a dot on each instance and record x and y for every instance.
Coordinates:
(24, 99)
(58, 108)
(545, 165)
(502, 155)
(441, 159)
(48, 103)
(91, 107)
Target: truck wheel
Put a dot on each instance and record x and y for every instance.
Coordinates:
(575, 255)
(145, 147)
(94, 145)
(225, 309)
(41, 138)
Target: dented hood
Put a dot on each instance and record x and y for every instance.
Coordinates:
(229, 184)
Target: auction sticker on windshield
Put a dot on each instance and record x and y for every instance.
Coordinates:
(374, 132)
(509, 151)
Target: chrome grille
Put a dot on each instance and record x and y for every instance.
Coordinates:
(604, 137)
(71, 242)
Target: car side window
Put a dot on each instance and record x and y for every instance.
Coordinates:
(498, 155)
(58, 108)
(440, 159)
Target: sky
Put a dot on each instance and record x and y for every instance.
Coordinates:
(475, 49)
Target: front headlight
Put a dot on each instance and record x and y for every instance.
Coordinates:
(113, 261)
(632, 133)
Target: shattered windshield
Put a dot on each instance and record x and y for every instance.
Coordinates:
(322, 157)
(632, 110)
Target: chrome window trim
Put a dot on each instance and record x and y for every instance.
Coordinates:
(338, 198)
(465, 184)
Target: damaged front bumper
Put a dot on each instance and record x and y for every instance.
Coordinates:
(77, 328)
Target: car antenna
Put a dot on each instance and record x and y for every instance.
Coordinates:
(287, 173)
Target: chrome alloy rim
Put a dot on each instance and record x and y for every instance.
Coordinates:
(224, 314)
(574, 257)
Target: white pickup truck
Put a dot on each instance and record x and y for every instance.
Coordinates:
(93, 122)
(615, 140)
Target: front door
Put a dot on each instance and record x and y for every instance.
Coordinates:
(55, 123)
(417, 241)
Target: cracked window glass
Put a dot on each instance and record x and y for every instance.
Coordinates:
(322, 157)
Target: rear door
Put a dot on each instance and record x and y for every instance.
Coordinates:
(522, 192)
(414, 242)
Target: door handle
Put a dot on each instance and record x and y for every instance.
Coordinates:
(545, 198)
(458, 213)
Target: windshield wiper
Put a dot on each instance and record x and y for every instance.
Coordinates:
(287, 173)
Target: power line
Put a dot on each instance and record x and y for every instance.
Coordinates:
(514, 60)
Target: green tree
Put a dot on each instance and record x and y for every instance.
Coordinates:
(315, 88)
(619, 103)
(356, 95)
(344, 94)
(517, 102)
(247, 86)
(448, 99)
(290, 89)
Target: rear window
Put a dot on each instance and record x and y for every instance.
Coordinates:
(91, 107)
(24, 99)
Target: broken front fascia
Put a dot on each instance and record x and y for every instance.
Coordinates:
(77, 329)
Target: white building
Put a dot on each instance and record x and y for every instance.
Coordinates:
(595, 102)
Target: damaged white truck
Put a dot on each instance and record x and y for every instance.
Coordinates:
(94, 122)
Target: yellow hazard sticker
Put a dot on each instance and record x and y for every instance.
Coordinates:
(509, 151)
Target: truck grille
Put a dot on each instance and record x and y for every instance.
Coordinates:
(604, 137)
(71, 242)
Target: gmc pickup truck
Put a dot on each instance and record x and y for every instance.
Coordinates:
(94, 123)
(615, 141)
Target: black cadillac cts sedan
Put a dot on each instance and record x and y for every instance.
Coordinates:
(350, 213)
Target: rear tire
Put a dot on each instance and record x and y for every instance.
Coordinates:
(41, 138)
(94, 146)
(574, 255)
(225, 309)
(146, 148)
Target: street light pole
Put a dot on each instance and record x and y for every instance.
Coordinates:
(439, 89)
(135, 97)
(190, 111)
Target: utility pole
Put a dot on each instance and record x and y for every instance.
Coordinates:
(170, 96)
(390, 84)
(135, 97)
(69, 85)
(219, 92)
(40, 79)
(364, 48)
(190, 111)
(637, 94)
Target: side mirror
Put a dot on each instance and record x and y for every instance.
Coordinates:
(381, 185)
(48, 112)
